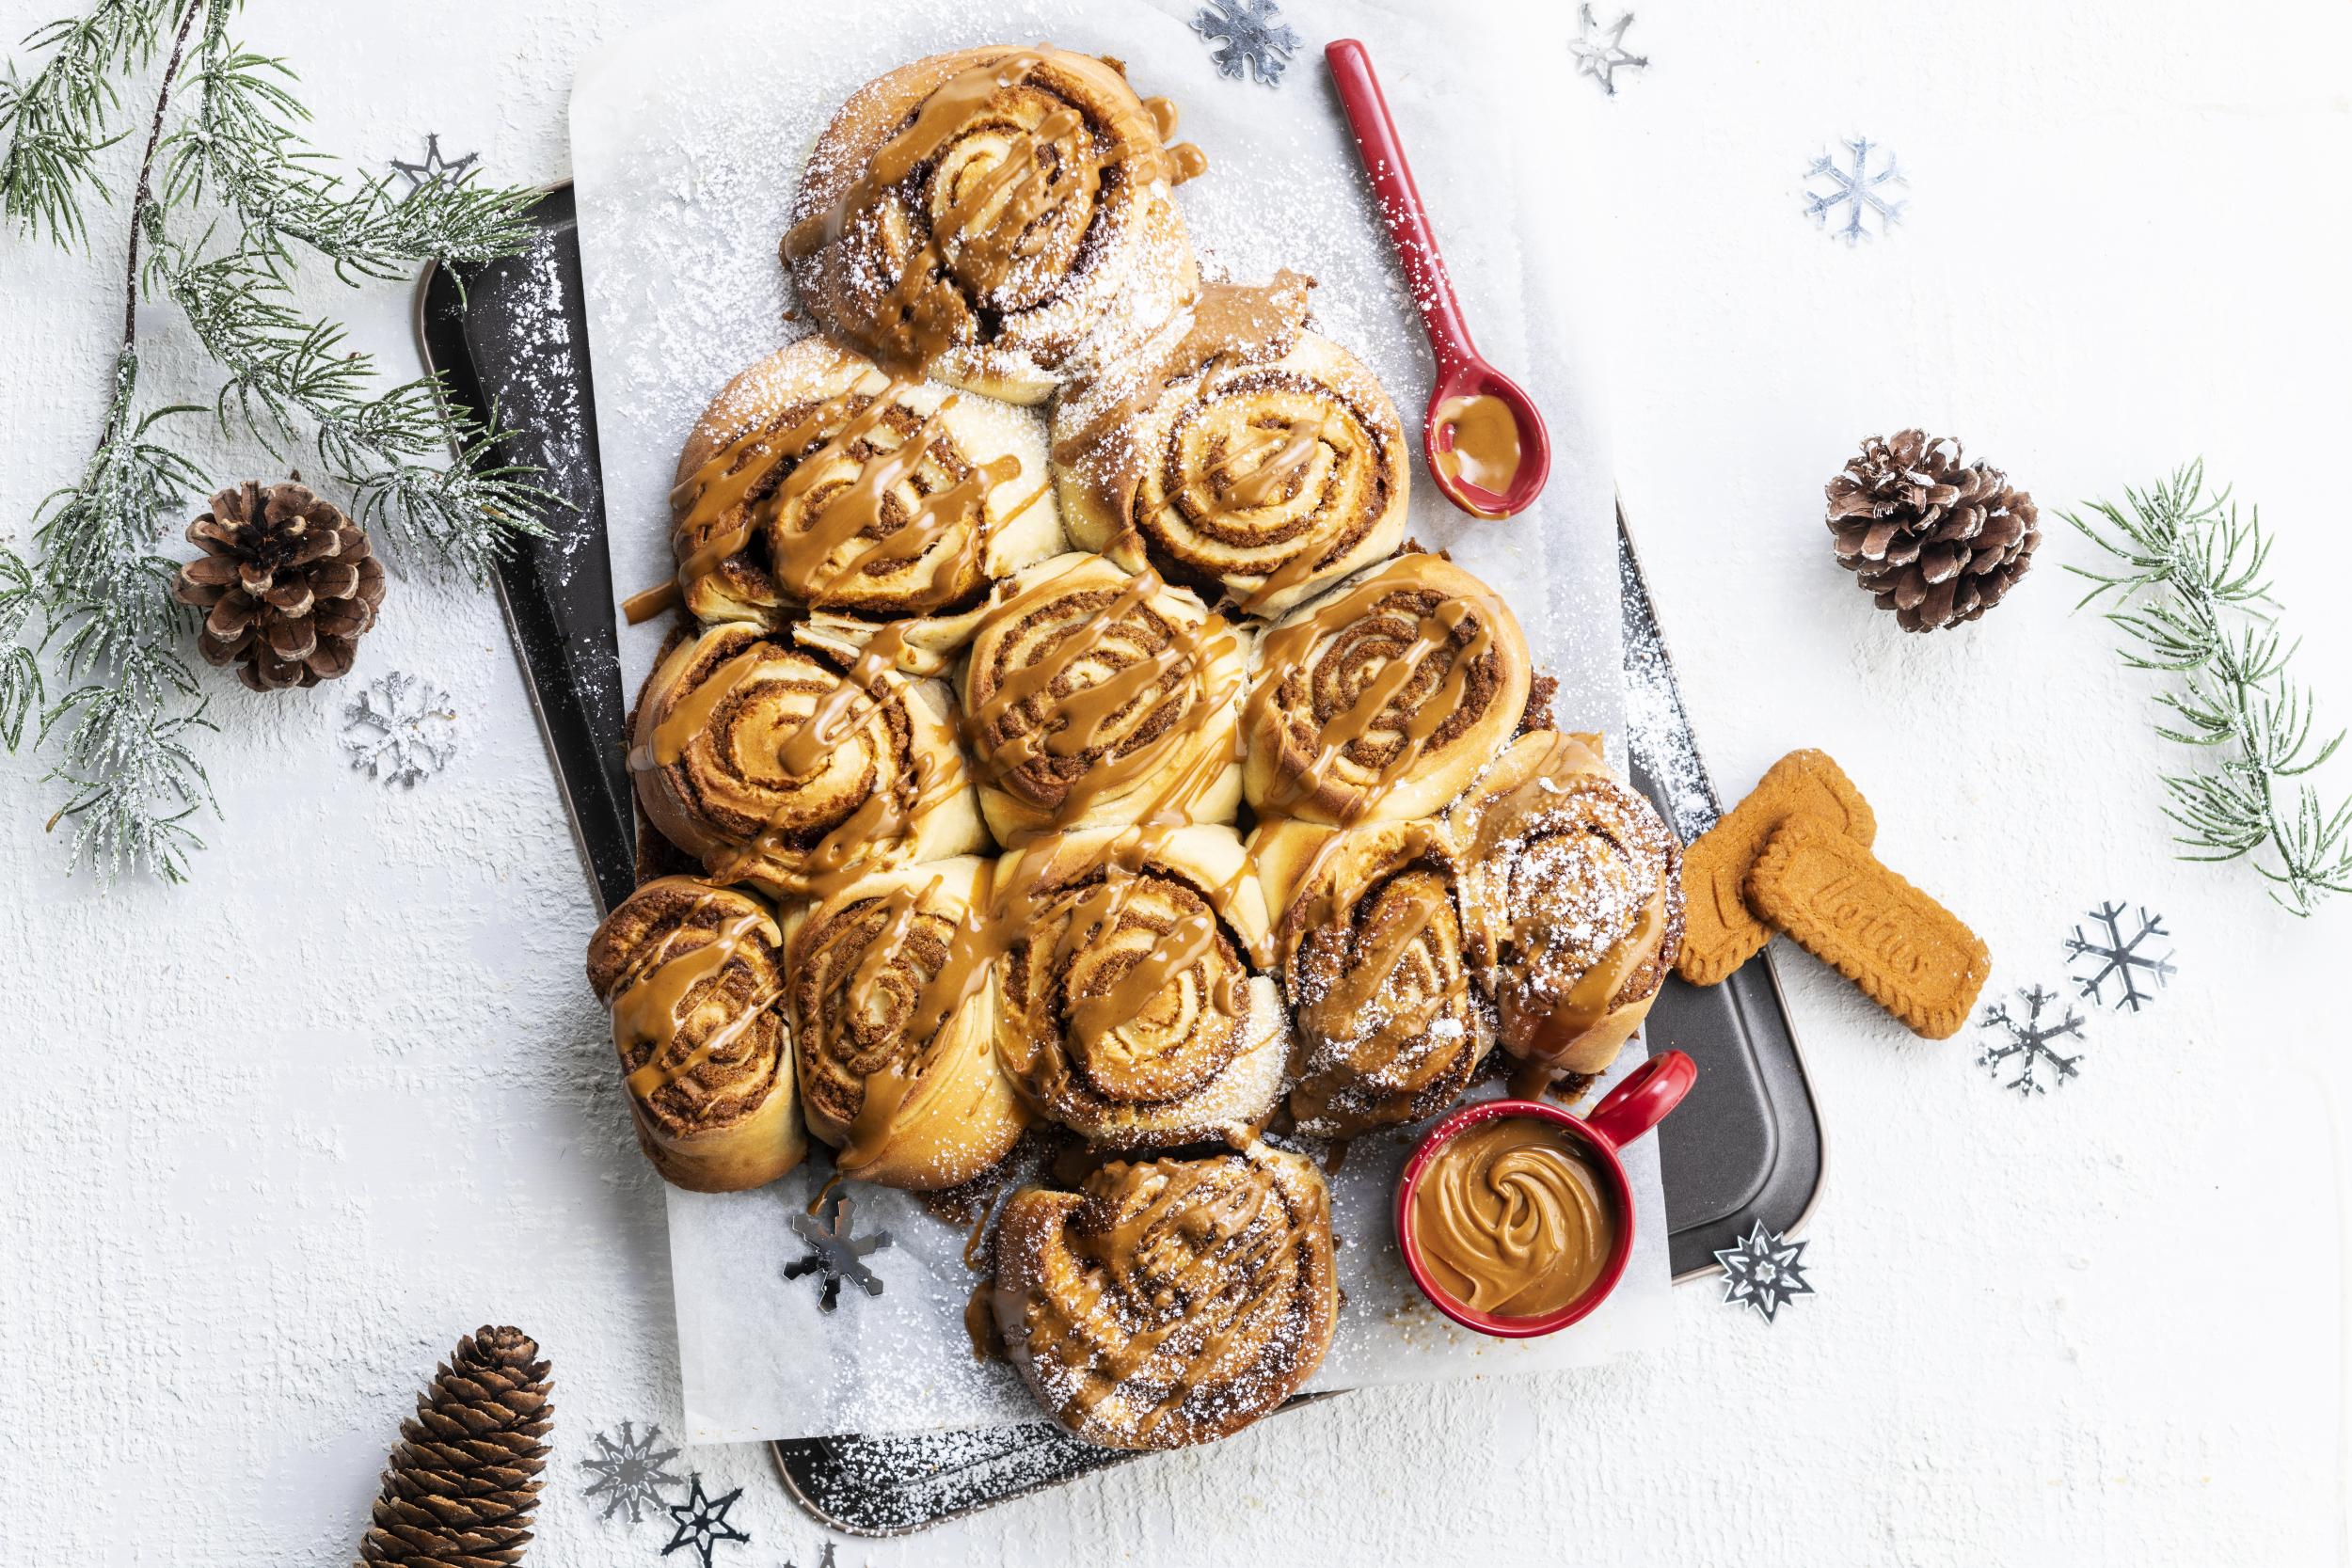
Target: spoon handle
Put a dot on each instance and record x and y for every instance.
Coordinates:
(1400, 204)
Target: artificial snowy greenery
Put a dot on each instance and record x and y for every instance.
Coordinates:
(227, 200)
(2187, 592)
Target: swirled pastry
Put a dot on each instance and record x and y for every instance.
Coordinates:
(895, 1028)
(1572, 885)
(779, 769)
(1372, 953)
(1088, 689)
(693, 978)
(999, 217)
(1127, 1009)
(1255, 460)
(1170, 1301)
(815, 481)
(1383, 698)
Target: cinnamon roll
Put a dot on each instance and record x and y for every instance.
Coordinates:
(1372, 946)
(998, 217)
(1383, 698)
(1127, 1009)
(895, 1041)
(815, 481)
(1256, 459)
(1168, 1302)
(1087, 689)
(694, 976)
(1572, 886)
(778, 769)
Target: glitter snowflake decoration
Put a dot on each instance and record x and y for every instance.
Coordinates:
(702, 1524)
(433, 168)
(2024, 1043)
(401, 730)
(840, 1253)
(1600, 52)
(1763, 1271)
(1249, 35)
(2119, 959)
(631, 1473)
(1855, 188)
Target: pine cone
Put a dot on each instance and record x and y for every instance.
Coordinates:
(1938, 544)
(288, 583)
(459, 1490)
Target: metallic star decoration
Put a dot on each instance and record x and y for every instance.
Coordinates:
(631, 1473)
(1763, 1272)
(1250, 35)
(702, 1524)
(1600, 52)
(435, 169)
(840, 1253)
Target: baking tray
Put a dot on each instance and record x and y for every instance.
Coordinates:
(1744, 1147)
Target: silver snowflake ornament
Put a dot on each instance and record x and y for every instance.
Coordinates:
(2119, 959)
(433, 168)
(1250, 35)
(840, 1252)
(1765, 1271)
(2026, 1044)
(401, 730)
(702, 1524)
(1600, 52)
(1856, 189)
(631, 1473)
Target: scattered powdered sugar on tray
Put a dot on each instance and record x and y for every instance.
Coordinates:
(684, 179)
(546, 379)
(1658, 733)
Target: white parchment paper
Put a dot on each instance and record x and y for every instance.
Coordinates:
(687, 142)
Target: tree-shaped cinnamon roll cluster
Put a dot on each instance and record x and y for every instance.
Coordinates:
(963, 725)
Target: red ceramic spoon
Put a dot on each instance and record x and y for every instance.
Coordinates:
(1462, 374)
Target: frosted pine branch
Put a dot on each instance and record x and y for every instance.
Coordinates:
(54, 123)
(230, 198)
(2186, 589)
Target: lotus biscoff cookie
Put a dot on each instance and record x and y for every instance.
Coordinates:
(1908, 952)
(1720, 931)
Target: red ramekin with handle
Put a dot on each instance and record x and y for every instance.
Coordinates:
(1628, 1112)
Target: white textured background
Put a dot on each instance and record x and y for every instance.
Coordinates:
(281, 1136)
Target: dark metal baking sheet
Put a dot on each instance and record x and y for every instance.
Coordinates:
(1745, 1146)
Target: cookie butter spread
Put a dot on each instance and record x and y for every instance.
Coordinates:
(1485, 446)
(1512, 1220)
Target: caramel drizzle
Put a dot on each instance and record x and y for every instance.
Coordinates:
(1034, 891)
(1082, 713)
(887, 1091)
(1247, 1229)
(862, 841)
(801, 561)
(1365, 988)
(1178, 161)
(1589, 999)
(1232, 322)
(940, 118)
(1284, 458)
(1286, 650)
(989, 229)
(645, 1004)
